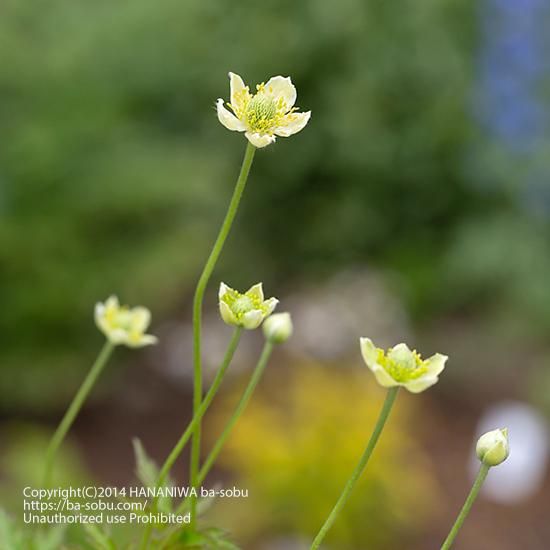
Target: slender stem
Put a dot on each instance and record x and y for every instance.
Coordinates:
(178, 448)
(74, 408)
(482, 474)
(359, 469)
(197, 312)
(197, 417)
(243, 402)
(245, 398)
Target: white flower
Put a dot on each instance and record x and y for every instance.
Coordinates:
(402, 367)
(492, 447)
(122, 325)
(278, 328)
(246, 310)
(268, 113)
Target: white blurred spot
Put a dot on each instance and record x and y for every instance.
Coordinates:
(329, 319)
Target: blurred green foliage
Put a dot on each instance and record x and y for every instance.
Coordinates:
(114, 172)
(22, 465)
(15, 538)
(294, 449)
(22, 462)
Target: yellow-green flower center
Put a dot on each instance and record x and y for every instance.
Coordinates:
(119, 318)
(240, 304)
(404, 368)
(263, 112)
(260, 110)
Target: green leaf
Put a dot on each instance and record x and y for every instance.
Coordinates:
(147, 472)
(146, 469)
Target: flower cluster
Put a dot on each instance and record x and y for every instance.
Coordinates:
(263, 116)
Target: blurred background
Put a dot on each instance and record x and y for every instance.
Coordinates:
(415, 206)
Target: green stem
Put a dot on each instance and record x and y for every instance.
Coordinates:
(178, 448)
(359, 469)
(243, 402)
(197, 417)
(74, 408)
(245, 398)
(482, 474)
(197, 312)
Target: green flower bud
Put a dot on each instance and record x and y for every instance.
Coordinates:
(492, 447)
(278, 328)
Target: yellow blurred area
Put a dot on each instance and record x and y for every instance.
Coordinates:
(296, 444)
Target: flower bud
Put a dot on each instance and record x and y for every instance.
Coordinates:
(278, 328)
(492, 447)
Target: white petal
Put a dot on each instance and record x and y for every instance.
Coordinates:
(100, 315)
(420, 384)
(402, 355)
(227, 315)
(148, 340)
(259, 140)
(280, 86)
(141, 317)
(118, 336)
(224, 289)
(252, 319)
(400, 350)
(368, 351)
(436, 364)
(112, 302)
(99, 312)
(382, 376)
(104, 328)
(236, 86)
(256, 291)
(294, 122)
(228, 119)
(143, 340)
(270, 305)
